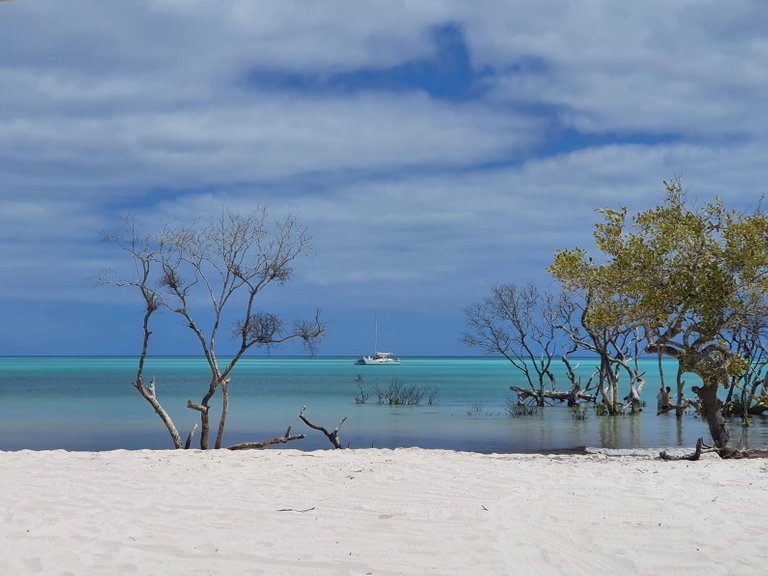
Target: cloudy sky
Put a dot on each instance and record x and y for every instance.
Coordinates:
(433, 148)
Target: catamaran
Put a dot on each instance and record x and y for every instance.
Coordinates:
(378, 358)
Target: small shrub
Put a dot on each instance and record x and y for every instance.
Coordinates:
(362, 395)
(476, 410)
(601, 410)
(516, 409)
(400, 394)
(579, 413)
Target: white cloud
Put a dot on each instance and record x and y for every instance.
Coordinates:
(259, 138)
(158, 107)
(423, 240)
(682, 67)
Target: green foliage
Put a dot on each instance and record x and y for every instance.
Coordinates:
(738, 366)
(682, 274)
(601, 410)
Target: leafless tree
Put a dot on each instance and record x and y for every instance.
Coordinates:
(617, 348)
(520, 324)
(225, 263)
(748, 384)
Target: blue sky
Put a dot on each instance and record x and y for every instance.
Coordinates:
(433, 148)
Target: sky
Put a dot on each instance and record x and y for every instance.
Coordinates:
(433, 148)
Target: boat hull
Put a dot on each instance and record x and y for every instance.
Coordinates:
(373, 361)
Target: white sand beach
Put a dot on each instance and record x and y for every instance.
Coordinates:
(378, 512)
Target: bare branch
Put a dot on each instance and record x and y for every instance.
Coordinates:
(333, 437)
(191, 435)
(258, 445)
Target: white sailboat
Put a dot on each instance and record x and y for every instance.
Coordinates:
(378, 358)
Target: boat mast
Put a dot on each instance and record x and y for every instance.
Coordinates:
(376, 335)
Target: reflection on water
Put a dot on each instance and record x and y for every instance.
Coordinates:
(88, 403)
(609, 432)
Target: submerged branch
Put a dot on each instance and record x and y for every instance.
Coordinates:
(570, 396)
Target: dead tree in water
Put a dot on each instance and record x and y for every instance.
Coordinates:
(748, 391)
(227, 263)
(572, 397)
(617, 348)
(520, 325)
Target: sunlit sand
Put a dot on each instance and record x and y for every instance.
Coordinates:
(378, 512)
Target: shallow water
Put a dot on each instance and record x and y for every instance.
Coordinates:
(88, 403)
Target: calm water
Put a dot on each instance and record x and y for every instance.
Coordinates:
(89, 404)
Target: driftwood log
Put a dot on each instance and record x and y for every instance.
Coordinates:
(702, 448)
(258, 445)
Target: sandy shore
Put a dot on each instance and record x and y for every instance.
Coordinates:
(378, 512)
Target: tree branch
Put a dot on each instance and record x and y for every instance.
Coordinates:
(333, 437)
(258, 445)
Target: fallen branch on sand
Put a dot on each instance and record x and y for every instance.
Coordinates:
(702, 448)
(279, 440)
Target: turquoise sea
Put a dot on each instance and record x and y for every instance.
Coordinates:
(88, 403)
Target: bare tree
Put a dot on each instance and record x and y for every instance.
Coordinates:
(226, 263)
(748, 379)
(618, 349)
(520, 324)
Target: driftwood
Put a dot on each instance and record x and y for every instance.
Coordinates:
(702, 448)
(258, 445)
(571, 396)
(333, 437)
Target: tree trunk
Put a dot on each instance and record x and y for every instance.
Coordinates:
(728, 405)
(634, 399)
(149, 396)
(711, 410)
(204, 429)
(681, 404)
(204, 409)
(224, 411)
(609, 387)
(540, 395)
